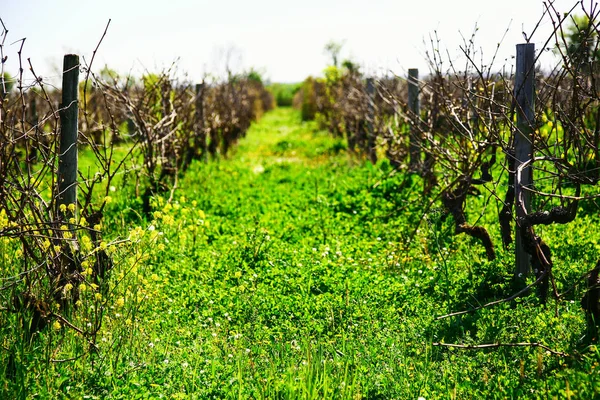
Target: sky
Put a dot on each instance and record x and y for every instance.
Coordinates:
(284, 40)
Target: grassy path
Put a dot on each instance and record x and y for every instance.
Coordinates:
(294, 291)
(285, 272)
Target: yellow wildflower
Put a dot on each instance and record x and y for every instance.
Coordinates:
(3, 219)
(86, 244)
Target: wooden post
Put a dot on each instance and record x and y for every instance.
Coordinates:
(3, 93)
(67, 161)
(371, 142)
(32, 145)
(3, 88)
(525, 97)
(130, 126)
(472, 106)
(34, 120)
(201, 133)
(414, 109)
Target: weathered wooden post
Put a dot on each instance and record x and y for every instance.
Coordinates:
(199, 115)
(472, 106)
(3, 89)
(525, 98)
(32, 118)
(371, 142)
(414, 109)
(67, 160)
(3, 93)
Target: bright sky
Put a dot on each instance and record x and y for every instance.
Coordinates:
(283, 39)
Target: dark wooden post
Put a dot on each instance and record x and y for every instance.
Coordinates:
(525, 97)
(472, 106)
(32, 145)
(201, 132)
(414, 109)
(3, 89)
(67, 161)
(3, 93)
(34, 120)
(371, 139)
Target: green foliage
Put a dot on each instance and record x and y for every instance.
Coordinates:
(284, 93)
(307, 94)
(254, 76)
(582, 40)
(332, 74)
(350, 66)
(7, 82)
(107, 74)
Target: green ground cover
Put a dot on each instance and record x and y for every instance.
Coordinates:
(287, 271)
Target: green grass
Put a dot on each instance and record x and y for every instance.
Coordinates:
(285, 272)
(284, 93)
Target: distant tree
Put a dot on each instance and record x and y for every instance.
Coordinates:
(254, 76)
(582, 41)
(350, 66)
(6, 84)
(333, 49)
(108, 75)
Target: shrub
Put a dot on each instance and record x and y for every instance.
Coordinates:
(284, 93)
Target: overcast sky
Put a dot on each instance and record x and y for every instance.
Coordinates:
(283, 39)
